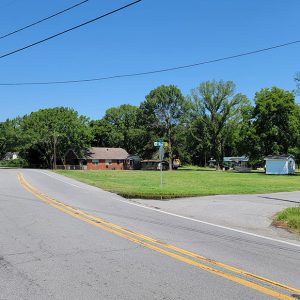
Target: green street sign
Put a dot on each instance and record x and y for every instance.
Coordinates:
(160, 143)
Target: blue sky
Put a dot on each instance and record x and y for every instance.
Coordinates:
(153, 34)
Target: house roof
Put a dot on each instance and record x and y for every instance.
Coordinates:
(279, 157)
(107, 153)
(235, 158)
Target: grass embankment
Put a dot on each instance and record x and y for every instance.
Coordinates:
(289, 219)
(184, 183)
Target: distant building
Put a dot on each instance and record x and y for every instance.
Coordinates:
(237, 163)
(11, 156)
(212, 163)
(154, 164)
(280, 164)
(73, 161)
(133, 162)
(101, 158)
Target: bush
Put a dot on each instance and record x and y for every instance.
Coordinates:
(16, 163)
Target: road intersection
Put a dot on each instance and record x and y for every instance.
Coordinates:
(62, 239)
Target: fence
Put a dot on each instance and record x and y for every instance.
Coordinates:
(71, 167)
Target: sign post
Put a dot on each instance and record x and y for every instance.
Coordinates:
(161, 145)
(161, 158)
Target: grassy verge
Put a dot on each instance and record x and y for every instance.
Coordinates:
(184, 183)
(289, 219)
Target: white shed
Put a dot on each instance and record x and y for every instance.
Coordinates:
(280, 164)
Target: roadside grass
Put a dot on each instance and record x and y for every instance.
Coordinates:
(188, 182)
(289, 219)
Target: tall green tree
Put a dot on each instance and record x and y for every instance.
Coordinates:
(276, 120)
(164, 109)
(247, 141)
(198, 142)
(9, 136)
(238, 137)
(119, 128)
(217, 112)
(50, 133)
(295, 148)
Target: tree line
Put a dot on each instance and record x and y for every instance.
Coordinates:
(211, 122)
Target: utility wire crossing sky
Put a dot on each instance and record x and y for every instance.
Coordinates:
(68, 30)
(43, 20)
(242, 41)
(157, 71)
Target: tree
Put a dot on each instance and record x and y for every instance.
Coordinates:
(247, 141)
(9, 136)
(238, 132)
(50, 133)
(119, 128)
(163, 109)
(276, 120)
(217, 112)
(197, 139)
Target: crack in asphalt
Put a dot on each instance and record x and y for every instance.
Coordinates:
(279, 199)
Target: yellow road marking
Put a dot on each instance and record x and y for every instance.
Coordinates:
(95, 221)
(182, 251)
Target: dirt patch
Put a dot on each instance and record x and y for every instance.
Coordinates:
(284, 225)
(281, 224)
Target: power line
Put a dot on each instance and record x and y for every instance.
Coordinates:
(158, 70)
(70, 29)
(42, 20)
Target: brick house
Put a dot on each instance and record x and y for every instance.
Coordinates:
(100, 158)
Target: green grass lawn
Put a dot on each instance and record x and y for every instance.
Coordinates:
(290, 218)
(184, 182)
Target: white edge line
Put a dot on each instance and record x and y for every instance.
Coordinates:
(55, 177)
(183, 217)
(212, 224)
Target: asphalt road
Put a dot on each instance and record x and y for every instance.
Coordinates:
(60, 239)
(253, 213)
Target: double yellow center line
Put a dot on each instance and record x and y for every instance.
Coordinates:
(259, 283)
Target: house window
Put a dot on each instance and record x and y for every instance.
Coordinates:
(95, 161)
(108, 162)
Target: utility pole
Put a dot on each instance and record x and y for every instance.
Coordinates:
(54, 150)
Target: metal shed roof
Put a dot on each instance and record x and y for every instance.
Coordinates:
(279, 157)
(235, 158)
